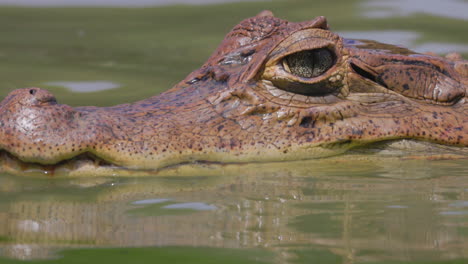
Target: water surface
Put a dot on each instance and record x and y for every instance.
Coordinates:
(85, 86)
(112, 3)
(349, 211)
(346, 210)
(395, 8)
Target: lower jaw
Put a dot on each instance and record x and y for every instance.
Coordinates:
(87, 165)
(82, 165)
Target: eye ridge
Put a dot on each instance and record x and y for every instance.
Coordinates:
(309, 63)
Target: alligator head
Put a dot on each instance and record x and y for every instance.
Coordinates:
(274, 90)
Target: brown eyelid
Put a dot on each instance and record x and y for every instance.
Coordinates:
(308, 39)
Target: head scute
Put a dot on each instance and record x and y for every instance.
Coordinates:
(256, 29)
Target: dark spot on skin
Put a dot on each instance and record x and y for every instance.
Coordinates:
(220, 127)
(357, 132)
(233, 143)
(406, 86)
(307, 122)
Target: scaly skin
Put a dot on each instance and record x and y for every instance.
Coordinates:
(235, 109)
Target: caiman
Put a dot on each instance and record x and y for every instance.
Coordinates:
(274, 90)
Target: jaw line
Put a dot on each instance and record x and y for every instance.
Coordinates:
(88, 165)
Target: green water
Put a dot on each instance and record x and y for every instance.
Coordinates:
(324, 211)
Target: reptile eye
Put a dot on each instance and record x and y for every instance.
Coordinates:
(309, 63)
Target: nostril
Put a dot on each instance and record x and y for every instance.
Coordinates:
(32, 91)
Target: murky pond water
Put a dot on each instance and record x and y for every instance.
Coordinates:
(353, 209)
